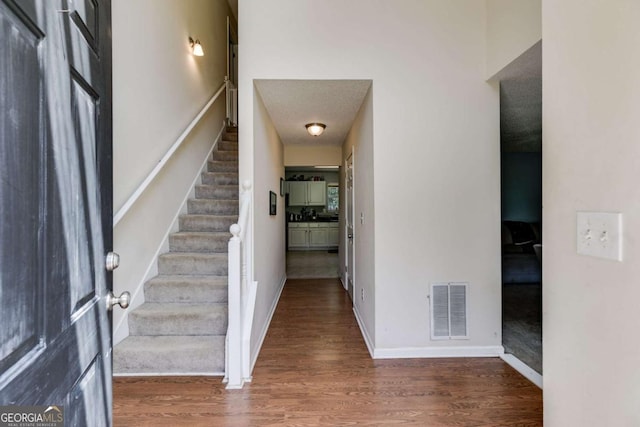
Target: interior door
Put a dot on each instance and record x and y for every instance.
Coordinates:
(349, 253)
(232, 53)
(55, 206)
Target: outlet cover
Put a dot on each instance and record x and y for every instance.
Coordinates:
(599, 234)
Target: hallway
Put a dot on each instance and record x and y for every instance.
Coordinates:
(314, 369)
(312, 265)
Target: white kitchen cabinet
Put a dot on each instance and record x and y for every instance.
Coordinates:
(307, 193)
(318, 236)
(297, 193)
(334, 235)
(316, 193)
(313, 235)
(298, 236)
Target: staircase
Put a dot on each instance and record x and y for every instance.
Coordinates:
(181, 327)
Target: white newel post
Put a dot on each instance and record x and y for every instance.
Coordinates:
(234, 328)
(242, 294)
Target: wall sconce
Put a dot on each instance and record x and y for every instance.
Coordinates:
(315, 129)
(196, 47)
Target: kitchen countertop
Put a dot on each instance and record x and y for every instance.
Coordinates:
(315, 220)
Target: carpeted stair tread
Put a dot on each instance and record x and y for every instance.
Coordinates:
(199, 241)
(230, 136)
(212, 207)
(178, 319)
(170, 355)
(177, 263)
(186, 289)
(222, 166)
(220, 178)
(227, 146)
(193, 222)
(225, 155)
(217, 192)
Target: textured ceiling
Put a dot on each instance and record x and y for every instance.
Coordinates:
(521, 115)
(521, 102)
(294, 103)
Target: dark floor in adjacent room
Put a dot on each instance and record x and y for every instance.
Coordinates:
(522, 322)
(312, 264)
(314, 369)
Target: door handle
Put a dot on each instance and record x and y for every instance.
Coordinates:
(350, 235)
(123, 300)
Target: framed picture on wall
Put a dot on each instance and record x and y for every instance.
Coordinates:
(272, 203)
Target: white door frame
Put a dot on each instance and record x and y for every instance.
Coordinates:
(350, 244)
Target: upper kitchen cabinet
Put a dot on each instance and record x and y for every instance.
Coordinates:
(317, 193)
(307, 193)
(297, 193)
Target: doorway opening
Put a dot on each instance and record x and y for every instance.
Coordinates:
(312, 203)
(521, 208)
(232, 74)
(313, 179)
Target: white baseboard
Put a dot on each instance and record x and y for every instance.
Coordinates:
(172, 374)
(424, 352)
(365, 334)
(431, 352)
(121, 330)
(523, 369)
(265, 329)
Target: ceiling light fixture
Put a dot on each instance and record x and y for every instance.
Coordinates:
(315, 129)
(196, 47)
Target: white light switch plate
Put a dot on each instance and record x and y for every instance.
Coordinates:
(599, 234)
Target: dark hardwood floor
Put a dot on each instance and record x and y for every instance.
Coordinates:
(522, 322)
(314, 369)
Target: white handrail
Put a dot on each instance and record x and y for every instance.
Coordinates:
(165, 159)
(242, 293)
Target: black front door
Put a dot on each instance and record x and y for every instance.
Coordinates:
(55, 206)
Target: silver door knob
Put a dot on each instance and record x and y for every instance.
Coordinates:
(350, 235)
(123, 300)
(112, 261)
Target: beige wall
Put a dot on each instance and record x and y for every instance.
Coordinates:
(513, 26)
(312, 156)
(436, 191)
(359, 142)
(158, 88)
(269, 238)
(591, 153)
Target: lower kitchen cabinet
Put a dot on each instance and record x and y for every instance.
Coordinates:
(313, 235)
(334, 236)
(298, 238)
(318, 237)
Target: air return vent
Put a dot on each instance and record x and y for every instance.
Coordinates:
(448, 311)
